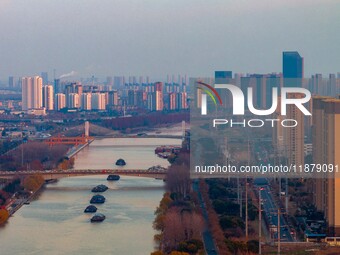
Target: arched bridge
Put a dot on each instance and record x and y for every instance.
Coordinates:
(57, 174)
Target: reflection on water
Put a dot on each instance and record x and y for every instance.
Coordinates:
(138, 153)
(55, 222)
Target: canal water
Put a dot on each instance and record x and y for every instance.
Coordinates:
(54, 223)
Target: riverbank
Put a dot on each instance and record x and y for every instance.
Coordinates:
(19, 202)
(58, 217)
(75, 149)
(20, 191)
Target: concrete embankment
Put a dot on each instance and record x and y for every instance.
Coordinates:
(75, 149)
(17, 203)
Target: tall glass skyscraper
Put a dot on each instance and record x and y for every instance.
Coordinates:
(292, 65)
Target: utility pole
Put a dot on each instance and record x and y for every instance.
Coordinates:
(278, 232)
(260, 220)
(22, 151)
(238, 195)
(286, 195)
(241, 201)
(246, 209)
(248, 156)
(22, 146)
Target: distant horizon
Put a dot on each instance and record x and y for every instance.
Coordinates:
(4, 81)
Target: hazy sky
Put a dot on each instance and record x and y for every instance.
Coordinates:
(159, 37)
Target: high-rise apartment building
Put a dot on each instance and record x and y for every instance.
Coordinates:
(278, 132)
(60, 101)
(326, 150)
(86, 101)
(173, 101)
(112, 98)
(31, 92)
(159, 96)
(48, 97)
(293, 137)
(98, 101)
(73, 100)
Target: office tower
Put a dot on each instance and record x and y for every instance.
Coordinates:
(86, 101)
(44, 76)
(109, 81)
(223, 77)
(331, 85)
(31, 92)
(294, 136)
(326, 150)
(132, 80)
(237, 78)
(249, 81)
(131, 98)
(140, 98)
(48, 97)
(73, 100)
(98, 101)
(272, 81)
(159, 96)
(60, 101)
(315, 84)
(11, 82)
(292, 65)
(118, 81)
(57, 88)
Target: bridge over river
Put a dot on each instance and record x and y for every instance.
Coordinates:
(57, 174)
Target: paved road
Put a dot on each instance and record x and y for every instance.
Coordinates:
(270, 208)
(208, 240)
(268, 203)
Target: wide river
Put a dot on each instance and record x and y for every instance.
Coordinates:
(54, 223)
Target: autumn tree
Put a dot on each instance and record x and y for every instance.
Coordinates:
(178, 180)
(179, 253)
(3, 215)
(33, 182)
(180, 225)
(157, 253)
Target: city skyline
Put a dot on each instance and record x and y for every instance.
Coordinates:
(197, 38)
